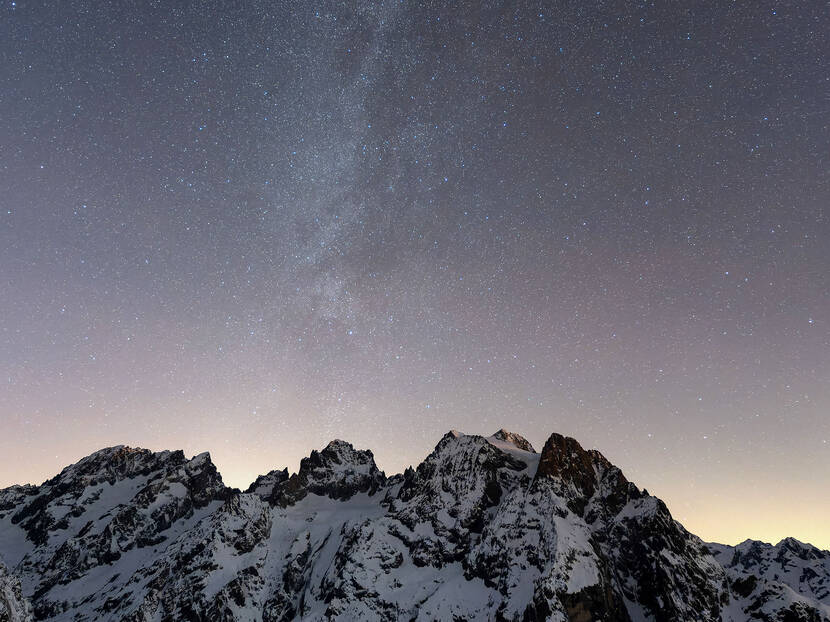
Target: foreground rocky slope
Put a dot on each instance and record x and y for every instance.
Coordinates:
(482, 529)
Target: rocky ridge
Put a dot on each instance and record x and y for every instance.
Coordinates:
(484, 528)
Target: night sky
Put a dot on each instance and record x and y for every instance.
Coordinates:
(253, 227)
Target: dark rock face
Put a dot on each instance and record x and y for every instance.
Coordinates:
(483, 528)
(634, 536)
(563, 458)
(578, 474)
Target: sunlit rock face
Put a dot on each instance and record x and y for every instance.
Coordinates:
(484, 528)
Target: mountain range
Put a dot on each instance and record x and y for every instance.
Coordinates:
(485, 528)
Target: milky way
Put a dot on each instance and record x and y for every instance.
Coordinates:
(253, 227)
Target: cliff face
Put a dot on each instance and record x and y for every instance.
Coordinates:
(483, 528)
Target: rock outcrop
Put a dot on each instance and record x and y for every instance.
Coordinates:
(13, 606)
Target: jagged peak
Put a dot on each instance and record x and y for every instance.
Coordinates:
(563, 455)
(456, 446)
(518, 441)
(114, 452)
(338, 471)
(116, 462)
(802, 550)
(343, 452)
(265, 485)
(451, 436)
(338, 455)
(789, 543)
(581, 470)
(120, 462)
(125, 454)
(124, 461)
(568, 449)
(793, 543)
(501, 436)
(455, 441)
(751, 552)
(749, 542)
(201, 458)
(44, 508)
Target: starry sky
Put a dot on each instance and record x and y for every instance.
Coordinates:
(253, 227)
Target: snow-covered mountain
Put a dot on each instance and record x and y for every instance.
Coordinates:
(482, 529)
